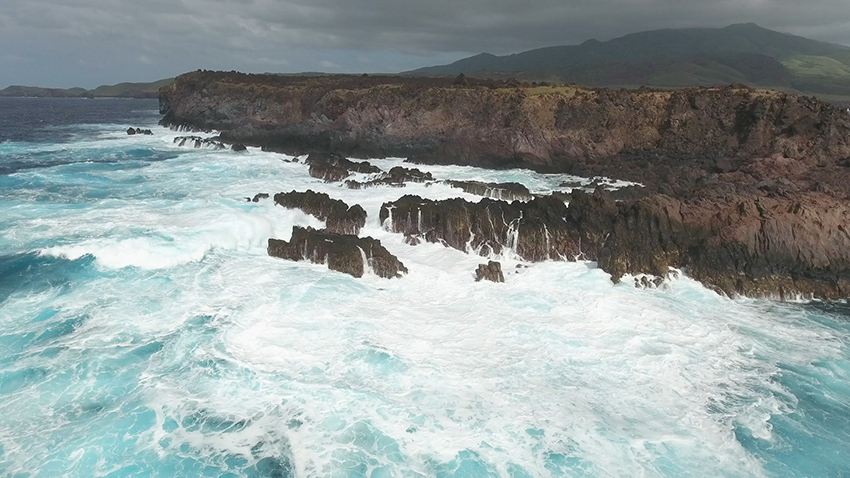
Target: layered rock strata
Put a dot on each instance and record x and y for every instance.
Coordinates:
(563, 128)
(747, 189)
(740, 246)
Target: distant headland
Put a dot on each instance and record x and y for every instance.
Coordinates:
(121, 90)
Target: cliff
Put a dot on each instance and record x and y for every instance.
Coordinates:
(748, 189)
(544, 127)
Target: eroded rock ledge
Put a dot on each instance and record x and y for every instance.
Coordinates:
(562, 128)
(338, 216)
(343, 253)
(738, 245)
(748, 189)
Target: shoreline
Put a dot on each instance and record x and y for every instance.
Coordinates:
(747, 189)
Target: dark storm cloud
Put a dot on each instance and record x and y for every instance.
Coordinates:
(65, 42)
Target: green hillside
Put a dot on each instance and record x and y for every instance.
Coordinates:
(743, 53)
(135, 90)
(121, 90)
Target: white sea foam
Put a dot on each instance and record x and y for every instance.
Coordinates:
(557, 371)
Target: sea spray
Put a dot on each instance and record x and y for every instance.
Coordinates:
(146, 331)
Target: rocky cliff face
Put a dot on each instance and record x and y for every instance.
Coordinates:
(548, 127)
(750, 190)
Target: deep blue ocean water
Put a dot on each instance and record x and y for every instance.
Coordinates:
(145, 332)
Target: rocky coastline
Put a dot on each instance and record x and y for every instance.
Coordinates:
(747, 190)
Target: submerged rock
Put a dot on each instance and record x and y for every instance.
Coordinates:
(396, 177)
(259, 196)
(492, 271)
(338, 216)
(198, 142)
(644, 282)
(238, 147)
(132, 131)
(332, 167)
(344, 253)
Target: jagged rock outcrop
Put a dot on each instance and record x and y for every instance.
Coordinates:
(332, 167)
(491, 271)
(338, 216)
(504, 191)
(776, 247)
(536, 230)
(748, 189)
(198, 142)
(258, 196)
(395, 177)
(132, 131)
(343, 253)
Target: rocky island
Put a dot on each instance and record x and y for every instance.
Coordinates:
(748, 190)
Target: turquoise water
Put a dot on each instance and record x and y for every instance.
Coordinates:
(144, 332)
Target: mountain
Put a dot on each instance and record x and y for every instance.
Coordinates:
(742, 53)
(121, 90)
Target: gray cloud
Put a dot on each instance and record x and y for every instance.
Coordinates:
(88, 42)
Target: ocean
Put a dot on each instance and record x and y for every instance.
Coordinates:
(144, 331)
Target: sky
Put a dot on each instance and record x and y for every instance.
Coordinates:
(65, 43)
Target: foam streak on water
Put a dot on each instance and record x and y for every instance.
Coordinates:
(144, 331)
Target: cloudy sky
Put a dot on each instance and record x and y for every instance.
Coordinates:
(64, 43)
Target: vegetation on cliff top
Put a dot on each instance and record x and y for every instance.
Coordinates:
(744, 53)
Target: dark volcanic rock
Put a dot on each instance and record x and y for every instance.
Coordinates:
(338, 217)
(333, 167)
(132, 131)
(646, 236)
(343, 253)
(328, 173)
(746, 188)
(536, 230)
(238, 147)
(259, 196)
(492, 271)
(638, 135)
(765, 247)
(198, 142)
(504, 191)
(396, 177)
(399, 174)
(776, 247)
(645, 282)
